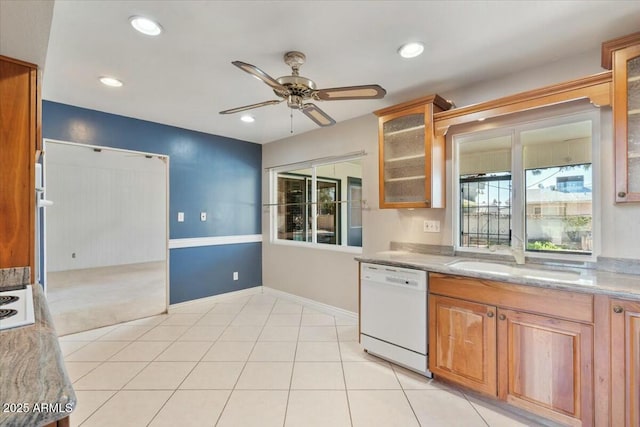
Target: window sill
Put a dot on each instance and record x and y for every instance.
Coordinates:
(320, 246)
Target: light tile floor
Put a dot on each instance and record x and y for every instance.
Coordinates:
(254, 361)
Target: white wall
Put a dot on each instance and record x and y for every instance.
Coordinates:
(109, 207)
(331, 277)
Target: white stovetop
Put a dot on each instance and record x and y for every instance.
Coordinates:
(24, 306)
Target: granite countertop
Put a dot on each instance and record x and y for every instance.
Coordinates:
(589, 280)
(35, 389)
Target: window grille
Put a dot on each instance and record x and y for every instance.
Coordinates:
(485, 205)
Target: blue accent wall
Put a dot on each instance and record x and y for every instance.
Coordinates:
(207, 173)
(211, 267)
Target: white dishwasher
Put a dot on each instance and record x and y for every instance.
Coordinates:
(393, 315)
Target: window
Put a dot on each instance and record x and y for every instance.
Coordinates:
(528, 186)
(485, 210)
(485, 192)
(318, 204)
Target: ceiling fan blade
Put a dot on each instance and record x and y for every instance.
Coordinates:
(351, 92)
(252, 106)
(317, 115)
(261, 75)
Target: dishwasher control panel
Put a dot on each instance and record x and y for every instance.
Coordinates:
(405, 277)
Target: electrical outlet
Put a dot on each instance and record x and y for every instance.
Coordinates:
(235, 275)
(431, 226)
(180, 216)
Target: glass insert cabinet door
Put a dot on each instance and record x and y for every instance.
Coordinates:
(411, 156)
(626, 111)
(404, 159)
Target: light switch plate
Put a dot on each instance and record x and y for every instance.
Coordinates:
(203, 216)
(180, 216)
(431, 226)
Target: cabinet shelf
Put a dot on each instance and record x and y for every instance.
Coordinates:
(405, 178)
(401, 131)
(404, 158)
(633, 79)
(633, 112)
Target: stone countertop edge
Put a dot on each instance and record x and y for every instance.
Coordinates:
(33, 377)
(601, 282)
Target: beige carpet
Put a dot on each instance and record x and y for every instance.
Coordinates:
(80, 300)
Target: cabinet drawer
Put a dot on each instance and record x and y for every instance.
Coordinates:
(562, 304)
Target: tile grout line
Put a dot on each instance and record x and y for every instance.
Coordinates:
(103, 403)
(404, 392)
(100, 364)
(147, 364)
(293, 367)
(344, 377)
(194, 366)
(246, 361)
(475, 409)
(125, 384)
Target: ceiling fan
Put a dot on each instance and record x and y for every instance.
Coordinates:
(298, 90)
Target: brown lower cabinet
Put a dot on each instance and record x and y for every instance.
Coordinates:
(625, 362)
(64, 422)
(491, 337)
(545, 365)
(464, 334)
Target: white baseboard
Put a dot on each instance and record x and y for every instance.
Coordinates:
(218, 298)
(319, 306)
(325, 308)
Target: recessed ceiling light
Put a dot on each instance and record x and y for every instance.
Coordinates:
(145, 25)
(411, 50)
(110, 81)
(247, 118)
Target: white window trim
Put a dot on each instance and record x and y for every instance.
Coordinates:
(273, 200)
(517, 182)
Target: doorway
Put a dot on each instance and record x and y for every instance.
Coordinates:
(105, 236)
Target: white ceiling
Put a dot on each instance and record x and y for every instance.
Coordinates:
(184, 77)
(24, 29)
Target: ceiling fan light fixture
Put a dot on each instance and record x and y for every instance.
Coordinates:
(247, 118)
(411, 50)
(297, 90)
(145, 25)
(110, 81)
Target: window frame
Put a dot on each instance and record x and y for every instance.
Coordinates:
(273, 204)
(514, 127)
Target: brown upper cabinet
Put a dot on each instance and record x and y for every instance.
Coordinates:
(19, 142)
(412, 159)
(622, 55)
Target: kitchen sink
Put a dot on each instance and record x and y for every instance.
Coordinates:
(517, 271)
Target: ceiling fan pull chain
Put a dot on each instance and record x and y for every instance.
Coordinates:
(291, 115)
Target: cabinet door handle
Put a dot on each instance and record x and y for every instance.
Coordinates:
(502, 317)
(622, 194)
(490, 314)
(617, 309)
